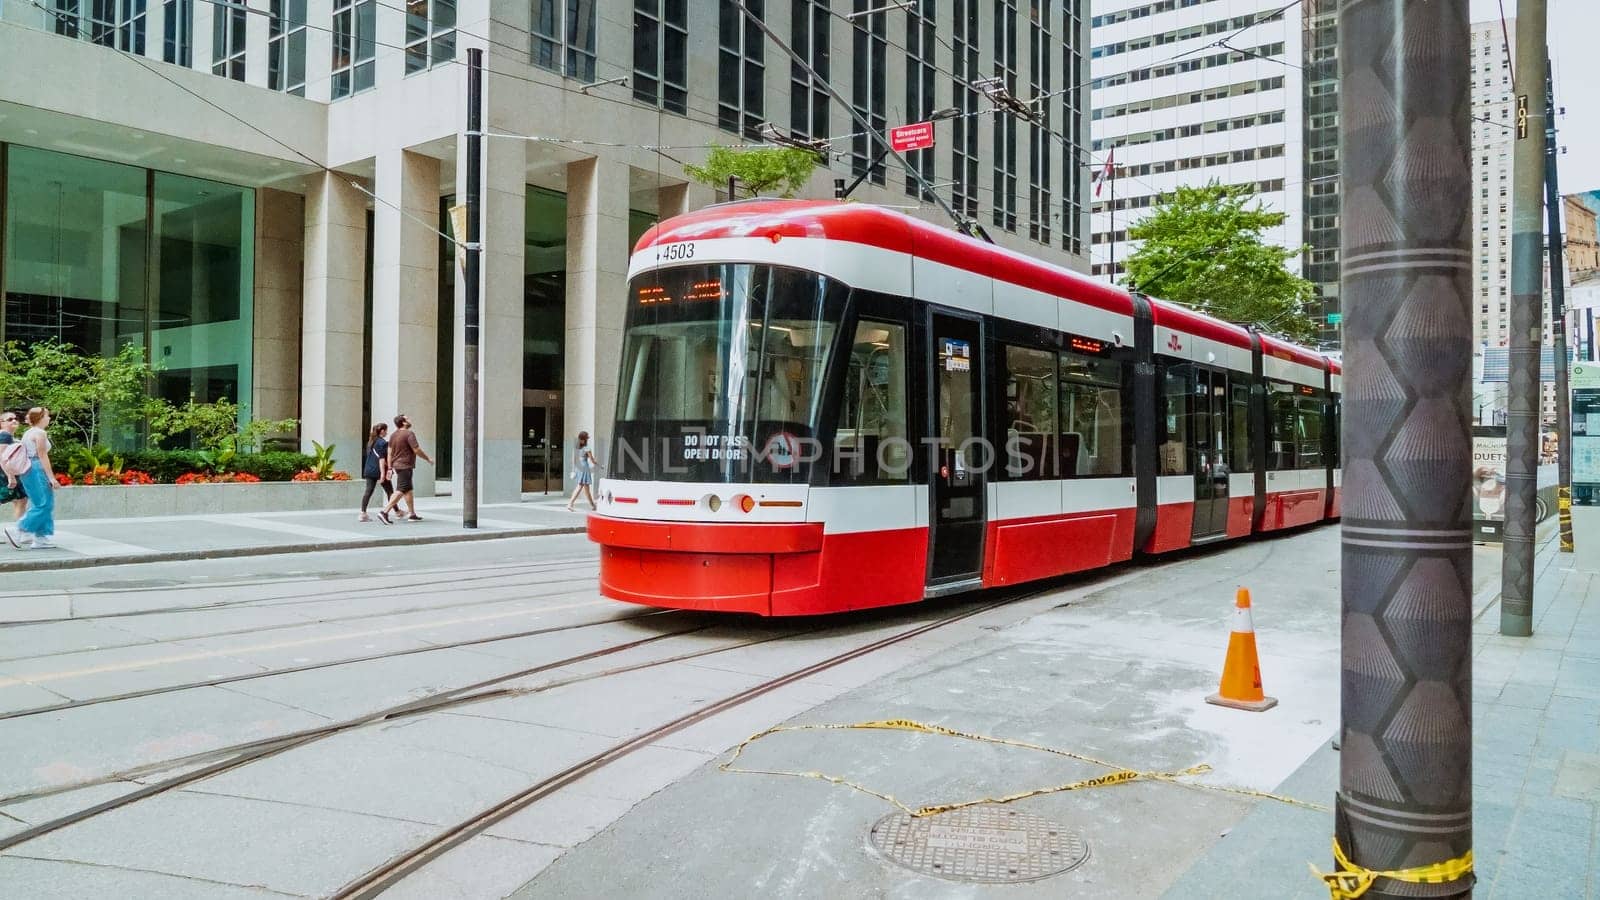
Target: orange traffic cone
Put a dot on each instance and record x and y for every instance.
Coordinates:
(1241, 673)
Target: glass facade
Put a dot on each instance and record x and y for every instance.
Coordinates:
(99, 255)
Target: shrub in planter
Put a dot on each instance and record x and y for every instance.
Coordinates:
(276, 465)
(134, 476)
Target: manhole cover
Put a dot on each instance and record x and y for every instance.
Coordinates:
(980, 843)
(136, 583)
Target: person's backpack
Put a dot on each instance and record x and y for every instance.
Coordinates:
(14, 459)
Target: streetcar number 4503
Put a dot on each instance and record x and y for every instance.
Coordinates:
(675, 251)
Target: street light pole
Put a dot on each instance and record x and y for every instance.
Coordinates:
(1405, 767)
(470, 290)
(1527, 313)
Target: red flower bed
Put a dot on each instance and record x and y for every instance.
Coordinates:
(134, 476)
(63, 479)
(311, 475)
(226, 478)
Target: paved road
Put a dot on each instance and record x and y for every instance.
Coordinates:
(270, 677)
(472, 720)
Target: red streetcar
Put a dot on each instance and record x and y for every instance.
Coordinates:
(830, 406)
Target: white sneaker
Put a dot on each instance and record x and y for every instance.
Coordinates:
(43, 543)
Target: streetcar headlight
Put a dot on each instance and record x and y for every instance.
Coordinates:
(713, 502)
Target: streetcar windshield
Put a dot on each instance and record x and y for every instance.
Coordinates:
(722, 373)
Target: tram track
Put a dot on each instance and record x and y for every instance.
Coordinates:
(311, 667)
(223, 759)
(376, 881)
(557, 586)
(290, 599)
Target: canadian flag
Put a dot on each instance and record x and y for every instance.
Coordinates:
(1105, 174)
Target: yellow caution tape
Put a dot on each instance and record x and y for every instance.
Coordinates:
(1119, 775)
(1354, 880)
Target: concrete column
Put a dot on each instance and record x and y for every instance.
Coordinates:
(280, 283)
(255, 44)
(330, 330)
(319, 50)
(597, 275)
(405, 296)
(200, 38)
(500, 350)
(677, 199)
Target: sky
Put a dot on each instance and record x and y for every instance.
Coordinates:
(1572, 27)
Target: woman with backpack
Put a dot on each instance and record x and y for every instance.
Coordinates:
(375, 469)
(39, 525)
(11, 492)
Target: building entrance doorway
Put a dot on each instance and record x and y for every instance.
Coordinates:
(543, 456)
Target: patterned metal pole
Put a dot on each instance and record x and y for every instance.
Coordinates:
(1405, 768)
(1527, 320)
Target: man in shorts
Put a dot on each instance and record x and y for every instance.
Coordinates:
(403, 452)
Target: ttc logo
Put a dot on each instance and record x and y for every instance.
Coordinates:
(1173, 343)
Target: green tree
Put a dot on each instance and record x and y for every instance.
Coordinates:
(760, 169)
(1203, 248)
(94, 398)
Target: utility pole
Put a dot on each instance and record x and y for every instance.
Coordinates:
(1558, 318)
(1405, 766)
(470, 289)
(1527, 313)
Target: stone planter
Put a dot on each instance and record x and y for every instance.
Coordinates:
(120, 502)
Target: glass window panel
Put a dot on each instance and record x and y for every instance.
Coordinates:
(1239, 447)
(1175, 420)
(75, 240)
(1096, 437)
(1030, 414)
(204, 261)
(871, 433)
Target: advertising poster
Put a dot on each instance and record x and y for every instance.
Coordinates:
(1488, 482)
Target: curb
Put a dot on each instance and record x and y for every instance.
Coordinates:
(89, 562)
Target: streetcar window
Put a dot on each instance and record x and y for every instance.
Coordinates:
(1311, 415)
(1283, 420)
(1239, 413)
(1096, 437)
(871, 440)
(1175, 420)
(1030, 415)
(722, 373)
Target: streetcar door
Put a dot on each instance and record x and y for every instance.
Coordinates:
(959, 455)
(1210, 453)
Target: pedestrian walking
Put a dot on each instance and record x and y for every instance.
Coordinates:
(39, 525)
(583, 468)
(404, 449)
(375, 469)
(12, 492)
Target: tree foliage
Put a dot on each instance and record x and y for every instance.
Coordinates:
(94, 398)
(100, 401)
(1203, 248)
(761, 169)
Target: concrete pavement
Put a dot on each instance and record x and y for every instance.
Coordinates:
(1535, 776)
(1120, 674)
(101, 542)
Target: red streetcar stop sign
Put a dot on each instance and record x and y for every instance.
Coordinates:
(916, 136)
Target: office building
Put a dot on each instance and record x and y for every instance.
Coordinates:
(255, 192)
(1187, 92)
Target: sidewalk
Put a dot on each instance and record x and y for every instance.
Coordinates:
(1117, 669)
(1535, 767)
(98, 542)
